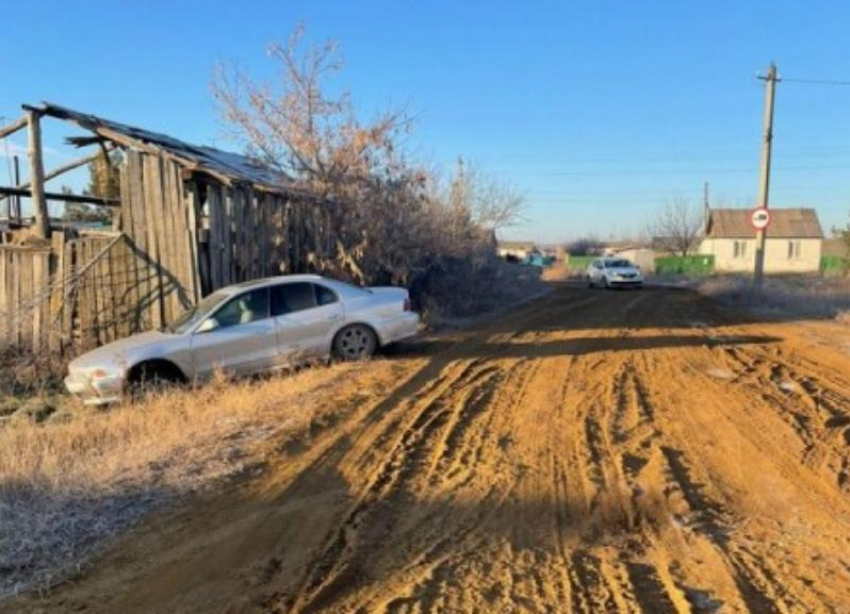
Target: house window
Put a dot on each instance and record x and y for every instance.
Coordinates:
(740, 249)
(794, 249)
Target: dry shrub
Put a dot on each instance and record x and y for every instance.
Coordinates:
(30, 385)
(557, 272)
(467, 287)
(67, 485)
(23, 373)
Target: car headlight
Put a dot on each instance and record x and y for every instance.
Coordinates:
(101, 373)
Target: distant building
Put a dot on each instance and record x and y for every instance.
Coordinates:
(635, 251)
(518, 251)
(793, 241)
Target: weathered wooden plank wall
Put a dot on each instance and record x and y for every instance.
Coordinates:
(247, 234)
(158, 217)
(182, 238)
(24, 296)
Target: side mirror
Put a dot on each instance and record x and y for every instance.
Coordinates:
(207, 326)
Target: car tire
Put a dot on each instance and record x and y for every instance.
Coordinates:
(590, 282)
(355, 342)
(152, 379)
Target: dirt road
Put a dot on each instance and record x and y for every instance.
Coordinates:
(591, 452)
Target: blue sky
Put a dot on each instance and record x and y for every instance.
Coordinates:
(598, 112)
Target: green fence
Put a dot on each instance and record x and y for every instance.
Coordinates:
(580, 263)
(834, 265)
(684, 265)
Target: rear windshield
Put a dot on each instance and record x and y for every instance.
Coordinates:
(616, 264)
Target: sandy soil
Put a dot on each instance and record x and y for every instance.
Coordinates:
(591, 452)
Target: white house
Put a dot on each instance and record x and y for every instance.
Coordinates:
(792, 241)
(516, 250)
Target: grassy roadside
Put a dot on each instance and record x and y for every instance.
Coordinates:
(72, 476)
(66, 486)
(798, 296)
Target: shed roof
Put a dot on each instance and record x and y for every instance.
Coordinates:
(225, 166)
(784, 224)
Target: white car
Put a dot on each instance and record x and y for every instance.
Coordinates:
(614, 273)
(248, 328)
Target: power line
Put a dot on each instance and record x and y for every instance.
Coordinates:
(673, 172)
(815, 81)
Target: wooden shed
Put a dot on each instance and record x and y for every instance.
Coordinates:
(189, 219)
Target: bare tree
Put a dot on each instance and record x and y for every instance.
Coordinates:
(490, 203)
(845, 235)
(391, 221)
(677, 227)
(295, 126)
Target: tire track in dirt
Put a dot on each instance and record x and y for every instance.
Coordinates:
(575, 455)
(819, 413)
(762, 585)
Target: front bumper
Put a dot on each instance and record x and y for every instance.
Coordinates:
(634, 282)
(402, 327)
(101, 391)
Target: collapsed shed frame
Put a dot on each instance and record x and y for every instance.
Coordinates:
(190, 219)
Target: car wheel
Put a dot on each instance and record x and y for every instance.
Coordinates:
(355, 342)
(589, 281)
(150, 379)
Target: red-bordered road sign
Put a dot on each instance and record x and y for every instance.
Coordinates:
(760, 218)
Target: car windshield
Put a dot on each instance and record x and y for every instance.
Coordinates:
(617, 264)
(197, 313)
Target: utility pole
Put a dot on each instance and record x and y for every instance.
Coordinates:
(764, 181)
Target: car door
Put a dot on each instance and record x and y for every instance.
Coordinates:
(244, 339)
(305, 315)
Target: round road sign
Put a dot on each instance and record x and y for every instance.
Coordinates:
(760, 218)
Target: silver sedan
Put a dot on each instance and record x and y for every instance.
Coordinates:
(249, 328)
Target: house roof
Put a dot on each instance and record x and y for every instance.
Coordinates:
(225, 166)
(784, 224)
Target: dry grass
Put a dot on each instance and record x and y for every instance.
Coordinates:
(557, 272)
(787, 296)
(66, 485)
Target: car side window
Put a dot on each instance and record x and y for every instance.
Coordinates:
(243, 309)
(324, 296)
(289, 298)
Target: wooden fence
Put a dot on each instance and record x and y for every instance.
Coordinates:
(24, 294)
(77, 294)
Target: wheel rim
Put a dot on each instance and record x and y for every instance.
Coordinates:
(354, 342)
